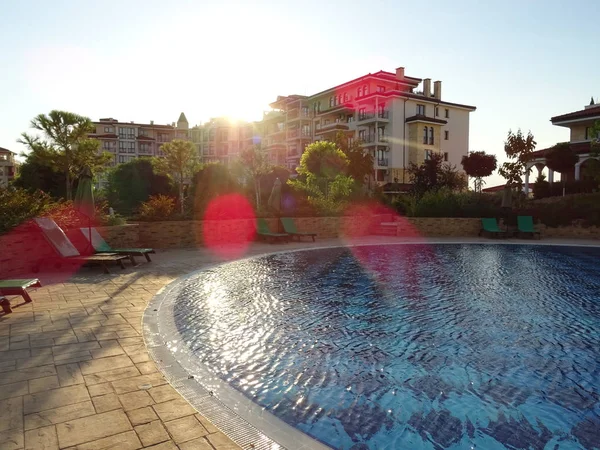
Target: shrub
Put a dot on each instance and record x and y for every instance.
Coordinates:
(18, 206)
(447, 203)
(157, 207)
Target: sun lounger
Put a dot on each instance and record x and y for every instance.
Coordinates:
(290, 228)
(490, 226)
(101, 246)
(67, 252)
(526, 228)
(262, 230)
(16, 287)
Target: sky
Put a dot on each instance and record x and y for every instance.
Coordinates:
(519, 62)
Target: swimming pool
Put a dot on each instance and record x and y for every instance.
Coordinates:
(409, 346)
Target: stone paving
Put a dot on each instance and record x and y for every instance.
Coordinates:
(74, 370)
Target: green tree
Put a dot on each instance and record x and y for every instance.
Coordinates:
(479, 165)
(360, 161)
(518, 149)
(134, 182)
(36, 174)
(253, 164)
(434, 174)
(180, 161)
(562, 159)
(323, 176)
(211, 181)
(64, 145)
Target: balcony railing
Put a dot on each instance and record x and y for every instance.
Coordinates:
(371, 116)
(293, 134)
(382, 162)
(374, 138)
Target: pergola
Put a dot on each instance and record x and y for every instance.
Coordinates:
(582, 149)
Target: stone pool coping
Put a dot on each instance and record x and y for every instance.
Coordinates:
(245, 422)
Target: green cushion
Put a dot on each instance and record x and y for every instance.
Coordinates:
(490, 224)
(525, 224)
(4, 284)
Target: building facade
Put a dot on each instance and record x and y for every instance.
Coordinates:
(8, 166)
(129, 140)
(397, 118)
(222, 140)
(580, 124)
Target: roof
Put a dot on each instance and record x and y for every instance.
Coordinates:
(146, 125)
(590, 112)
(182, 118)
(2, 149)
(578, 148)
(424, 118)
(498, 188)
(388, 76)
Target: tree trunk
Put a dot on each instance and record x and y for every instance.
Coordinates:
(257, 191)
(181, 193)
(69, 188)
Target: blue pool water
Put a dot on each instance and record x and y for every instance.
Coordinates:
(410, 346)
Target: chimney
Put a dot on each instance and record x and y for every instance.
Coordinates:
(152, 122)
(437, 89)
(400, 73)
(427, 87)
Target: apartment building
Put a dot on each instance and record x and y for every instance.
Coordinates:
(8, 166)
(581, 134)
(399, 119)
(222, 140)
(130, 140)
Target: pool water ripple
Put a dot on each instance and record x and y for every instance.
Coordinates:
(410, 346)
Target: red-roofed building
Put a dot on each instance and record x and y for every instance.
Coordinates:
(581, 124)
(397, 118)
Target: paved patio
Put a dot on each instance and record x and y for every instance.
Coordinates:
(74, 370)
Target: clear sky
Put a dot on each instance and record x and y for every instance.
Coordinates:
(519, 62)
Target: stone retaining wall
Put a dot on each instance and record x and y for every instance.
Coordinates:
(437, 226)
(24, 247)
(190, 233)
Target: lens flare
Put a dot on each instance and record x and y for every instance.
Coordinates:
(227, 226)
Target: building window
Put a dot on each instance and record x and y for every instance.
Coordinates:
(359, 94)
(305, 111)
(437, 111)
(430, 135)
(447, 113)
(380, 88)
(109, 130)
(330, 102)
(126, 133)
(305, 130)
(362, 112)
(339, 99)
(381, 133)
(446, 156)
(421, 110)
(345, 97)
(366, 89)
(350, 118)
(362, 134)
(428, 154)
(446, 135)
(425, 135)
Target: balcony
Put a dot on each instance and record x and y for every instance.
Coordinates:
(293, 134)
(382, 162)
(374, 139)
(381, 116)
